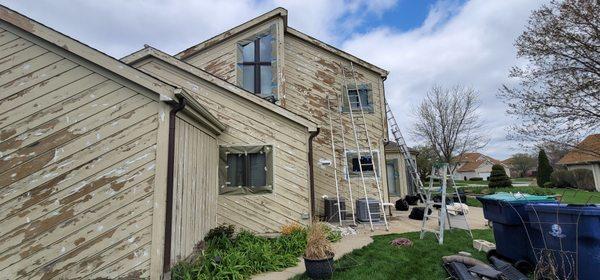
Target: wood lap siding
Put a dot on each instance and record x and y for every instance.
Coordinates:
(249, 124)
(312, 75)
(77, 154)
(194, 192)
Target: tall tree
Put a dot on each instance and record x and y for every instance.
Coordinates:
(558, 97)
(447, 120)
(544, 169)
(522, 162)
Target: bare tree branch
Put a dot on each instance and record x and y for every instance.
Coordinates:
(448, 122)
(558, 97)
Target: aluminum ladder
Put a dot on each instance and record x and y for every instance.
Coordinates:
(411, 164)
(442, 172)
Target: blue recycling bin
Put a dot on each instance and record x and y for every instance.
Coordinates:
(569, 238)
(510, 222)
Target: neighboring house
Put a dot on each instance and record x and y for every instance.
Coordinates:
(117, 169)
(581, 158)
(469, 165)
(398, 176)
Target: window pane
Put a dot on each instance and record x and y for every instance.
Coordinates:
(353, 99)
(364, 97)
(266, 48)
(355, 167)
(257, 172)
(367, 163)
(266, 80)
(248, 52)
(235, 170)
(248, 77)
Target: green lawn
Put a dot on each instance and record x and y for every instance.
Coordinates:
(422, 261)
(568, 195)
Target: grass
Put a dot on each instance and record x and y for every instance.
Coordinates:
(573, 196)
(422, 261)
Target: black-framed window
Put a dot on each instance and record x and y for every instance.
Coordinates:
(256, 65)
(354, 98)
(245, 169)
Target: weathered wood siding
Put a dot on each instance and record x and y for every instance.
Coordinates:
(77, 153)
(250, 124)
(312, 75)
(194, 191)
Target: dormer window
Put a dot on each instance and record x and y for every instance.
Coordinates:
(256, 58)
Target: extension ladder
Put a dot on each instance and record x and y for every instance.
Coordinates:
(411, 164)
(441, 172)
(359, 153)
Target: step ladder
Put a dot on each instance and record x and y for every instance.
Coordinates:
(410, 162)
(346, 98)
(440, 171)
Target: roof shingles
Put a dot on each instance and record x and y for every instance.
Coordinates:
(585, 152)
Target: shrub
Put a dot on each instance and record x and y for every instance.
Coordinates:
(475, 179)
(562, 179)
(237, 257)
(544, 169)
(318, 247)
(584, 179)
(549, 185)
(290, 228)
(498, 177)
(220, 231)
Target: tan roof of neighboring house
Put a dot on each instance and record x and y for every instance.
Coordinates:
(583, 151)
(283, 13)
(472, 161)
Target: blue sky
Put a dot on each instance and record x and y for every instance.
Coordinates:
(421, 42)
(403, 16)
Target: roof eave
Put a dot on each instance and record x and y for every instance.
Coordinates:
(314, 41)
(150, 52)
(84, 51)
(191, 51)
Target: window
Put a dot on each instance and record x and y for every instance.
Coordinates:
(367, 163)
(354, 98)
(255, 59)
(245, 169)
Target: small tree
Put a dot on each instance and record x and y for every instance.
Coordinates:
(498, 177)
(544, 169)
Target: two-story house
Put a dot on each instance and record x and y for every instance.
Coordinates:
(118, 168)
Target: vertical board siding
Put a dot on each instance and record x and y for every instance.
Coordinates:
(77, 160)
(194, 189)
(249, 124)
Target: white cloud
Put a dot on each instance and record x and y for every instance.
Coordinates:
(471, 44)
(120, 27)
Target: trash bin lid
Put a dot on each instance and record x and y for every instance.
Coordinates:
(571, 209)
(519, 197)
